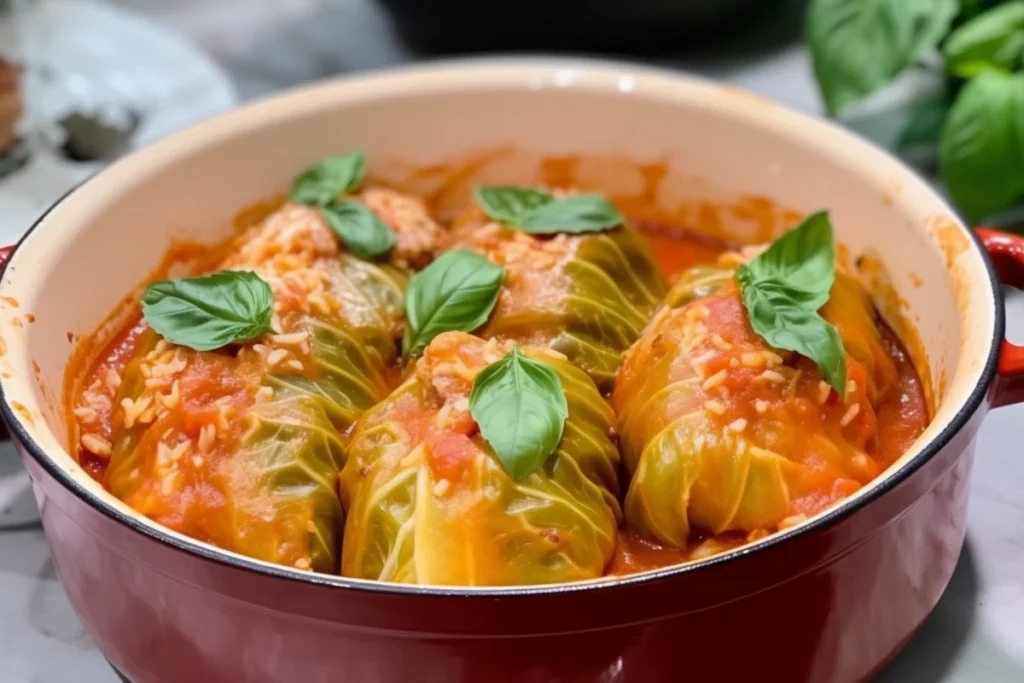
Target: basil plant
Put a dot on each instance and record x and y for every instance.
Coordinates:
(861, 46)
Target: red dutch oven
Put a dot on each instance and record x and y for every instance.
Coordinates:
(831, 600)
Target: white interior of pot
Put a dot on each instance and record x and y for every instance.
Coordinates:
(99, 243)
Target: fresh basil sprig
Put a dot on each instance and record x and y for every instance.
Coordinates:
(982, 139)
(520, 407)
(326, 180)
(994, 39)
(206, 313)
(982, 144)
(859, 46)
(540, 213)
(783, 289)
(358, 228)
(456, 292)
(507, 203)
(365, 235)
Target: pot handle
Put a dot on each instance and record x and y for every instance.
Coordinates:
(1007, 253)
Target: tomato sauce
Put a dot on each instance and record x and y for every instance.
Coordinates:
(899, 419)
(677, 249)
(111, 364)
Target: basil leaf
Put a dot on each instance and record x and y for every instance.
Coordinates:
(206, 313)
(926, 121)
(802, 331)
(992, 39)
(981, 151)
(508, 204)
(576, 214)
(800, 265)
(539, 213)
(456, 292)
(521, 409)
(859, 46)
(326, 180)
(360, 230)
(783, 289)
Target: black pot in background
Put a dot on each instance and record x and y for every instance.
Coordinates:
(597, 25)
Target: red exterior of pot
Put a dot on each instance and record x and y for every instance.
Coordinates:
(831, 604)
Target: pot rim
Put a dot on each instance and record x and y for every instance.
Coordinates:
(154, 531)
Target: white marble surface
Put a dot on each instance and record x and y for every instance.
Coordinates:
(976, 634)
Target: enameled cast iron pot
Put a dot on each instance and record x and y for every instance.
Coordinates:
(831, 600)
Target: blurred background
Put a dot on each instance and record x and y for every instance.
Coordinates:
(939, 82)
(95, 78)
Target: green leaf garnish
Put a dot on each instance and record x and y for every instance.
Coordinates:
(576, 214)
(456, 292)
(509, 204)
(520, 408)
(206, 313)
(783, 289)
(327, 180)
(993, 39)
(799, 265)
(982, 144)
(860, 46)
(539, 213)
(365, 235)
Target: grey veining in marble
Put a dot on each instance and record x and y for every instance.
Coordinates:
(976, 634)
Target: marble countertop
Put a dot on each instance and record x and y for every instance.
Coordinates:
(976, 633)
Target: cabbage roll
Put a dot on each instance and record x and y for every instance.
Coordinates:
(428, 503)
(418, 236)
(242, 446)
(587, 296)
(722, 433)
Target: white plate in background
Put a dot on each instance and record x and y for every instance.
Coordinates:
(93, 57)
(89, 57)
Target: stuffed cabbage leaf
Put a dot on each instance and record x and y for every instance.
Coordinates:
(242, 446)
(722, 433)
(428, 503)
(587, 296)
